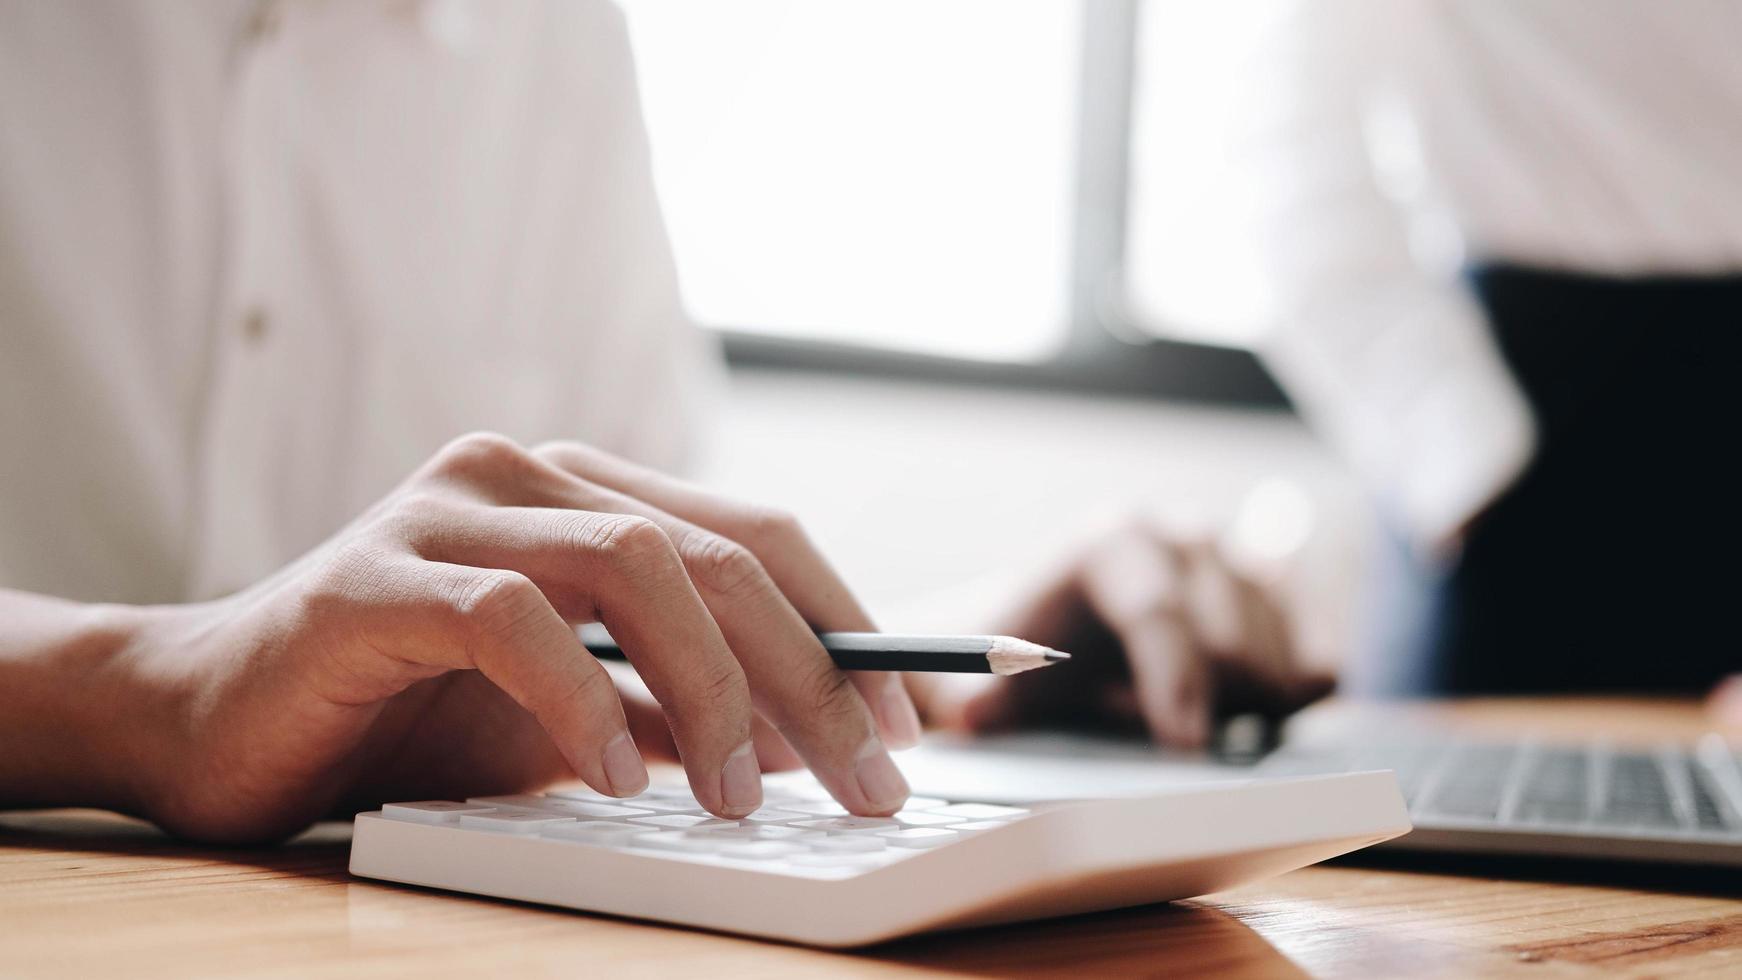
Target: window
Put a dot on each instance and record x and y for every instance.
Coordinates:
(1191, 271)
(963, 179)
(894, 173)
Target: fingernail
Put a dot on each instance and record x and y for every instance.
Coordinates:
(741, 781)
(623, 766)
(880, 782)
(899, 717)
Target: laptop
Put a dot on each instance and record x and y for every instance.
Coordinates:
(1520, 795)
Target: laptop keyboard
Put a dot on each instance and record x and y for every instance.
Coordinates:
(1673, 790)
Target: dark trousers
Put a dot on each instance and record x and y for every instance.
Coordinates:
(1615, 562)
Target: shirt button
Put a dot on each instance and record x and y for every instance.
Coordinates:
(265, 21)
(255, 326)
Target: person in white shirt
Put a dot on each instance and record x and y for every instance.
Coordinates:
(260, 264)
(1505, 241)
(262, 260)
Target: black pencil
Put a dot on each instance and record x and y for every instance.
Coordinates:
(896, 651)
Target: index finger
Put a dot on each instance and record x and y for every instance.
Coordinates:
(1134, 586)
(625, 570)
(801, 572)
(813, 707)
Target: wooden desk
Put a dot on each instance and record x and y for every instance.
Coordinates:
(86, 894)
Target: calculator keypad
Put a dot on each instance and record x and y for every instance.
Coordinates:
(797, 830)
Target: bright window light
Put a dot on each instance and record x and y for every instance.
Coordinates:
(1192, 270)
(896, 173)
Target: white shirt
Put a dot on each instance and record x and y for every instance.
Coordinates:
(259, 260)
(1394, 140)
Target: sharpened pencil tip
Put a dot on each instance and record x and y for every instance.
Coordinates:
(1009, 655)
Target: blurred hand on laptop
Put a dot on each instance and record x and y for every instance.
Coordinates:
(1168, 627)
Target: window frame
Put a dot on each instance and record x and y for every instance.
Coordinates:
(1103, 351)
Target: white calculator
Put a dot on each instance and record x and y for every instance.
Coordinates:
(802, 869)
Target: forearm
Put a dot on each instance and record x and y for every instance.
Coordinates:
(64, 694)
(1378, 341)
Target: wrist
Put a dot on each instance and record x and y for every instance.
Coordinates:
(133, 717)
(79, 718)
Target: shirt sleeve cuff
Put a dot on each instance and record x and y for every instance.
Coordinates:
(1421, 404)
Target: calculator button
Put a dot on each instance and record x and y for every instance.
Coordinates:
(596, 831)
(572, 808)
(580, 809)
(666, 805)
(817, 808)
(682, 821)
(760, 850)
(923, 819)
(771, 815)
(521, 801)
(854, 844)
(922, 803)
(980, 825)
(981, 811)
(919, 837)
(850, 825)
(431, 811)
(671, 841)
(753, 831)
(511, 821)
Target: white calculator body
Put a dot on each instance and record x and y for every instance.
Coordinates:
(802, 870)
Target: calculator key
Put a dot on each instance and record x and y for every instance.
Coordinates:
(431, 811)
(817, 808)
(981, 811)
(512, 821)
(854, 844)
(922, 803)
(520, 801)
(923, 819)
(760, 831)
(580, 809)
(674, 841)
(760, 850)
(683, 821)
(551, 804)
(919, 837)
(594, 831)
(771, 815)
(980, 825)
(666, 805)
(850, 825)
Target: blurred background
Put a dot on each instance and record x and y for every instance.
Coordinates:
(981, 266)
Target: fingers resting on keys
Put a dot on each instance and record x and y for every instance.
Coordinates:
(1196, 633)
(487, 557)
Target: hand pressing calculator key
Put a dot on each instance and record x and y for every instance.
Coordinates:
(802, 869)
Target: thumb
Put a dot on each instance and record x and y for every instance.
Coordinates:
(1308, 688)
(1724, 704)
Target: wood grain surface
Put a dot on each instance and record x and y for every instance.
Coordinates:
(91, 894)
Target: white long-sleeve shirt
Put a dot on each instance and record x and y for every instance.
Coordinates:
(1393, 141)
(259, 260)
